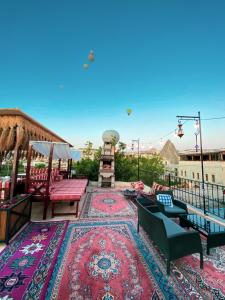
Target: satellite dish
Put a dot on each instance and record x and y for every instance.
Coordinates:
(129, 111)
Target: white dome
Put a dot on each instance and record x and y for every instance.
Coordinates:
(110, 136)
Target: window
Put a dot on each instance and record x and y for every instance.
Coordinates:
(176, 172)
(181, 172)
(193, 175)
(198, 176)
(185, 173)
(206, 177)
(213, 178)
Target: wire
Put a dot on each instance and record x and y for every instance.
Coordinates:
(171, 132)
(216, 118)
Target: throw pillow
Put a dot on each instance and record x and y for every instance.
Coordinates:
(165, 199)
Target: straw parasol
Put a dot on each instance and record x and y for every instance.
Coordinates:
(17, 129)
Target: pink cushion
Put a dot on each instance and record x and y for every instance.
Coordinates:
(64, 197)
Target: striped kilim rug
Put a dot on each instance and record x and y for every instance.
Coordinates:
(26, 264)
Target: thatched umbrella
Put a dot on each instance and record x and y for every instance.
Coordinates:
(3, 138)
(16, 130)
(11, 139)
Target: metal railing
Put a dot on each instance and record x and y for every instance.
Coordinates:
(190, 191)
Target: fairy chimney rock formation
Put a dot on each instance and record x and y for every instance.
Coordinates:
(169, 153)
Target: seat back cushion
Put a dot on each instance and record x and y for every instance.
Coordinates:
(165, 199)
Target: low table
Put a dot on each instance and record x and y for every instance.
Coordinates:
(130, 194)
(214, 233)
(14, 213)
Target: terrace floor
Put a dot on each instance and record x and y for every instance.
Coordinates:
(101, 256)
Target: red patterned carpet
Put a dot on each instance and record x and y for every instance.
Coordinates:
(206, 283)
(109, 260)
(106, 203)
(103, 259)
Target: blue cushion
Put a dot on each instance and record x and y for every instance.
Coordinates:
(165, 199)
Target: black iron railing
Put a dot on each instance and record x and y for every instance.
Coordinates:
(191, 192)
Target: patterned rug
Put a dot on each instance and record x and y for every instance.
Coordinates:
(26, 264)
(106, 203)
(109, 261)
(207, 283)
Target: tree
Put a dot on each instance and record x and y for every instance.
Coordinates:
(88, 165)
(126, 167)
(88, 151)
(151, 169)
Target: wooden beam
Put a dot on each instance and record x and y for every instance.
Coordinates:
(59, 165)
(69, 166)
(16, 156)
(46, 200)
(29, 154)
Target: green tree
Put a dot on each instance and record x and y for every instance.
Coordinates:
(151, 169)
(88, 151)
(87, 166)
(126, 167)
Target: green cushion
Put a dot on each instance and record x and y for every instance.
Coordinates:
(170, 226)
(174, 210)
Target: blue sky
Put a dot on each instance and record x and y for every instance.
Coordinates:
(159, 58)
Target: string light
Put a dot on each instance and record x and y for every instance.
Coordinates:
(149, 145)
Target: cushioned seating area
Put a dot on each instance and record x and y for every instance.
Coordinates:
(58, 189)
(70, 183)
(174, 211)
(170, 226)
(179, 208)
(67, 190)
(4, 189)
(173, 241)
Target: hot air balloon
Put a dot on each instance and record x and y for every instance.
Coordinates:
(85, 66)
(91, 56)
(129, 111)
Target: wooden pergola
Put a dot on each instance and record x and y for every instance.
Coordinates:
(16, 130)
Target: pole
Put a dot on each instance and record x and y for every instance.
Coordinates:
(14, 173)
(29, 155)
(46, 198)
(138, 159)
(202, 167)
(59, 164)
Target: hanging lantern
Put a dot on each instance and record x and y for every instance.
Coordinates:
(129, 111)
(85, 66)
(196, 124)
(91, 56)
(180, 131)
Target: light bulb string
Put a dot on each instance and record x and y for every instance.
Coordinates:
(174, 130)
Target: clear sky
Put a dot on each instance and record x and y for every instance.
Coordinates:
(159, 58)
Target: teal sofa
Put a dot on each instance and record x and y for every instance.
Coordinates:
(179, 208)
(173, 241)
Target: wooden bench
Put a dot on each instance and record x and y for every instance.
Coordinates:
(68, 190)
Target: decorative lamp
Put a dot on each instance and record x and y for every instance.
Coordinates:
(180, 131)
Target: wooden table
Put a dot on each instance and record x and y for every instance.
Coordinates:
(14, 213)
